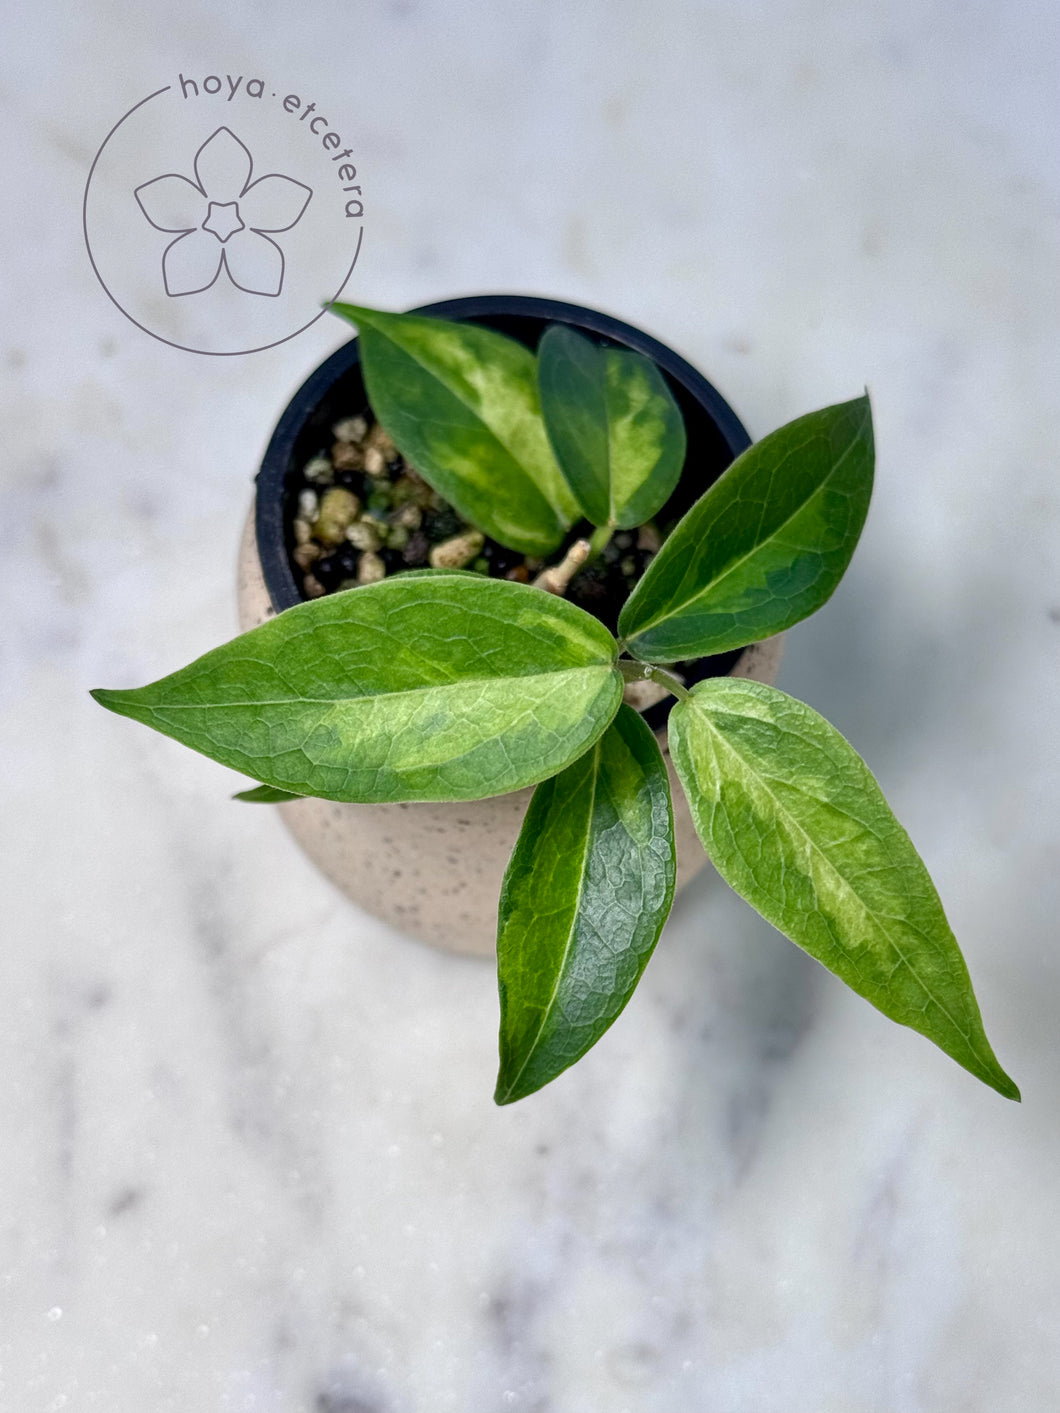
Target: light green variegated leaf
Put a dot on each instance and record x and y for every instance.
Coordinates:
(585, 897)
(792, 818)
(617, 432)
(424, 687)
(266, 795)
(764, 547)
(461, 404)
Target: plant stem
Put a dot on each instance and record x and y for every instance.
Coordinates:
(599, 541)
(641, 671)
(556, 578)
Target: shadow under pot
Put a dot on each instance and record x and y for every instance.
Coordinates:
(434, 871)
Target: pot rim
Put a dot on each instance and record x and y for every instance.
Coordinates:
(269, 527)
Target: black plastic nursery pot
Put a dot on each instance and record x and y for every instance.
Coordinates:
(336, 390)
(434, 871)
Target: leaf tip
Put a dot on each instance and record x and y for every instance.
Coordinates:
(506, 1091)
(114, 700)
(864, 406)
(266, 795)
(353, 313)
(513, 1080)
(1006, 1087)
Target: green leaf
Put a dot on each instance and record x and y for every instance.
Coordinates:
(585, 897)
(764, 547)
(792, 818)
(617, 432)
(461, 404)
(432, 687)
(266, 795)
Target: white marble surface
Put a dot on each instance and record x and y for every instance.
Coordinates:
(250, 1159)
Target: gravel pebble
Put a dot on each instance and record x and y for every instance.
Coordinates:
(381, 440)
(412, 488)
(319, 470)
(371, 569)
(350, 429)
(307, 554)
(347, 456)
(364, 535)
(374, 462)
(455, 553)
(337, 509)
(415, 552)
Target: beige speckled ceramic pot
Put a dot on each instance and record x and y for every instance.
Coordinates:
(434, 871)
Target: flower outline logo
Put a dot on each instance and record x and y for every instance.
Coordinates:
(224, 220)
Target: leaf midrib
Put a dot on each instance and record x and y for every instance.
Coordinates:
(612, 489)
(575, 912)
(759, 545)
(472, 408)
(609, 459)
(598, 385)
(847, 885)
(404, 693)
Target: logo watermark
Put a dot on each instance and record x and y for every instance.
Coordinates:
(221, 214)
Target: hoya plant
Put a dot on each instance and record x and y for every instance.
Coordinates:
(441, 684)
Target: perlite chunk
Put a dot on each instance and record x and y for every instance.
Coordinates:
(350, 429)
(460, 550)
(319, 471)
(364, 535)
(371, 569)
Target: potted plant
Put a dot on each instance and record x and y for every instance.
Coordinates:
(472, 677)
(434, 870)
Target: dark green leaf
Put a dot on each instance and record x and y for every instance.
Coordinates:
(764, 547)
(266, 795)
(617, 432)
(424, 687)
(585, 897)
(461, 404)
(792, 818)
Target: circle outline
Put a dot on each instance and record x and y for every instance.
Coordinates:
(186, 348)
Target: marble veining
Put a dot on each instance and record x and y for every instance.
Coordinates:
(250, 1159)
